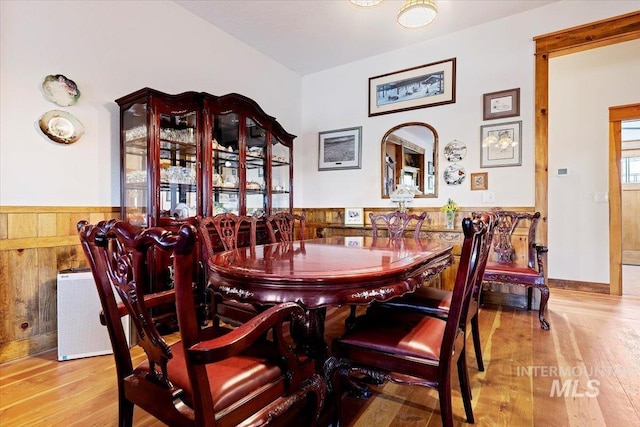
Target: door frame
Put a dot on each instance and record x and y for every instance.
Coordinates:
(616, 116)
(577, 39)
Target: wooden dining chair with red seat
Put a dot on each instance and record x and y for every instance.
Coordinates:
(229, 230)
(437, 302)
(411, 348)
(212, 376)
(282, 227)
(396, 223)
(523, 269)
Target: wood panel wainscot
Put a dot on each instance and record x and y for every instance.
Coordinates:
(36, 242)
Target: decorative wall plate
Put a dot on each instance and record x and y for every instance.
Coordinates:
(61, 127)
(455, 151)
(60, 90)
(454, 174)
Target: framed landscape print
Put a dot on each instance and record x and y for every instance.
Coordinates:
(501, 145)
(498, 105)
(340, 149)
(418, 87)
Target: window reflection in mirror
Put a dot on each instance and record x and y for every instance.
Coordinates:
(408, 157)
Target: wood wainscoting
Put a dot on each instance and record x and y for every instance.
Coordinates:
(35, 243)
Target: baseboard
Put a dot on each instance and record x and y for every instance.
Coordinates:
(574, 285)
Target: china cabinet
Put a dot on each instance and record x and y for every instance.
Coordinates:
(199, 154)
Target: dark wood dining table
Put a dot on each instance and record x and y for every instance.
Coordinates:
(325, 272)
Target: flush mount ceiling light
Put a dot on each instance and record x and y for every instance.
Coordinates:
(365, 3)
(417, 13)
(412, 14)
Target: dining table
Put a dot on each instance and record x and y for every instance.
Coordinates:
(323, 272)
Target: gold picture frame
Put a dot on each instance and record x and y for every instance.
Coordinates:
(479, 181)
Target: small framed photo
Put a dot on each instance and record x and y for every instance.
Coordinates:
(354, 241)
(354, 216)
(418, 87)
(501, 145)
(340, 149)
(498, 105)
(480, 181)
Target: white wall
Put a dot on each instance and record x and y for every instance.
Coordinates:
(110, 49)
(490, 57)
(582, 87)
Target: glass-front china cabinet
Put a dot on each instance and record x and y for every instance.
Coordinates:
(199, 154)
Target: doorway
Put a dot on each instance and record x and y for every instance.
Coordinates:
(621, 221)
(629, 136)
(596, 34)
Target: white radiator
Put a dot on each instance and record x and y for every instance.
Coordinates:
(80, 333)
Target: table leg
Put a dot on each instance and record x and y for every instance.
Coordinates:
(309, 334)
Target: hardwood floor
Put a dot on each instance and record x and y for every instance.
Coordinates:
(583, 372)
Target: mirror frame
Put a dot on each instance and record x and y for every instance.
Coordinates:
(435, 159)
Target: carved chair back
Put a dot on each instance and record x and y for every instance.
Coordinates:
(227, 229)
(282, 226)
(508, 221)
(397, 223)
(119, 255)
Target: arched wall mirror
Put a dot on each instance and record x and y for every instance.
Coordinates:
(409, 157)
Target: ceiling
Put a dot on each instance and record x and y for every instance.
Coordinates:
(308, 36)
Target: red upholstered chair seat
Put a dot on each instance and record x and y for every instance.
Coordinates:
(403, 335)
(231, 379)
(524, 274)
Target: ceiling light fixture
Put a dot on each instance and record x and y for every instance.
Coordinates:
(417, 13)
(365, 3)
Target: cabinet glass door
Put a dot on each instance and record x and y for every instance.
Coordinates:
(135, 197)
(225, 162)
(280, 177)
(178, 165)
(255, 170)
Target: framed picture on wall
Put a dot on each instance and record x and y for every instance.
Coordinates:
(501, 145)
(340, 149)
(354, 216)
(480, 181)
(418, 87)
(498, 105)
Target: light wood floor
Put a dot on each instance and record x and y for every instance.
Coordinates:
(594, 343)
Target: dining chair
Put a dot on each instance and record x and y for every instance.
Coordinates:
(437, 302)
(224, 232)
(212, 376)
(396, 223)
(411, 348)
(282, 227)
(525, 267)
